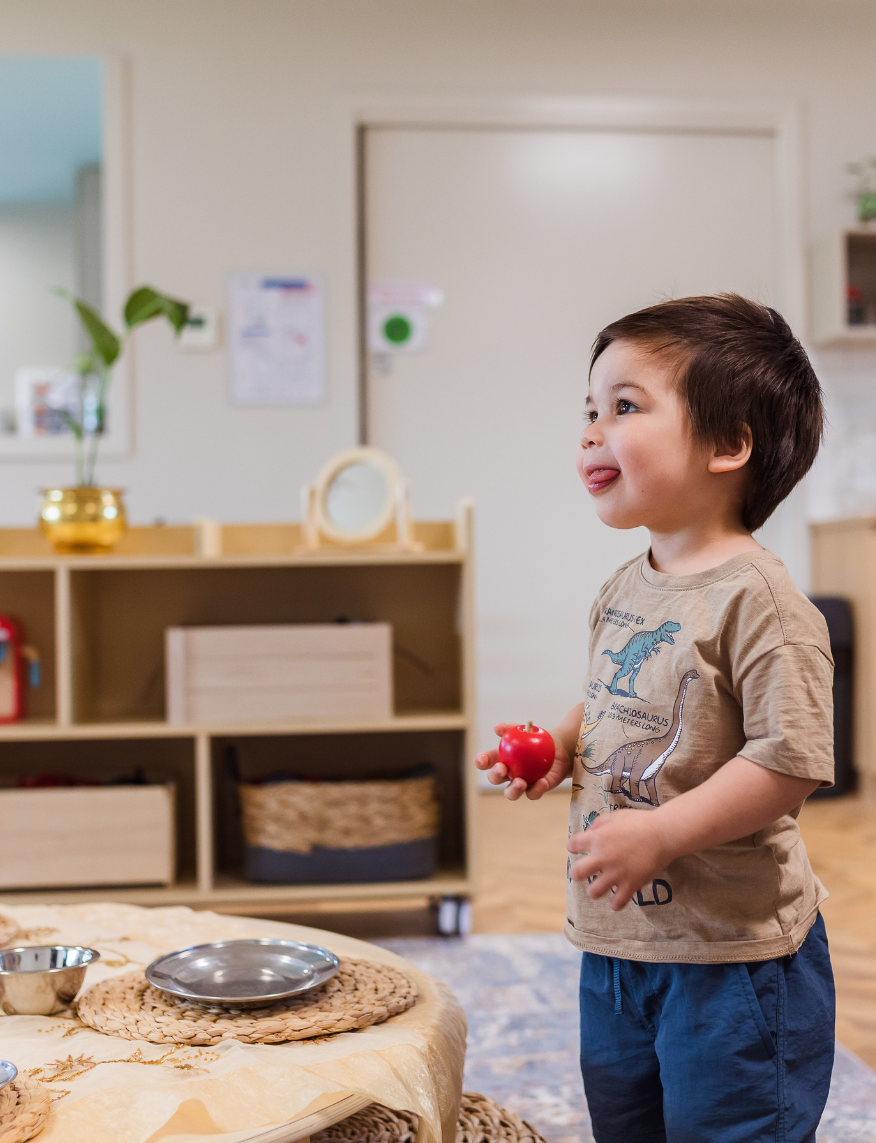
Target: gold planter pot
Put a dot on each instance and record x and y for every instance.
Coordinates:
(78, 520)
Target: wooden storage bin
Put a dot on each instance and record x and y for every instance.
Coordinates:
(102, 835)
(274, 672)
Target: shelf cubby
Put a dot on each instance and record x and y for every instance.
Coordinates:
(115, 610)
(29, 597)
(107, 759)
(844, 289)
(358, 757)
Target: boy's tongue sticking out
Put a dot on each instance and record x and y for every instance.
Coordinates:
(599, 477)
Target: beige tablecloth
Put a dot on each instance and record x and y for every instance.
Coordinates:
(109, 1090)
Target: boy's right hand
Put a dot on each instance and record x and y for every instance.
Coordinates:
(498, 771)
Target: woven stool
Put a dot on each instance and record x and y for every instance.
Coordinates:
(362, 993)
(24, 1108)
(481, 1120)
(9, 931)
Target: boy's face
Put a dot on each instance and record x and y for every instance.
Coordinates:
(638, 457)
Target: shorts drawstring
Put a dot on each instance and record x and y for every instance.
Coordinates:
(618, 1005)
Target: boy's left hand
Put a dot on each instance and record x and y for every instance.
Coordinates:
(628, 848)
(624, 851)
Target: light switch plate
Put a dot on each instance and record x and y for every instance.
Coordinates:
(201, 333)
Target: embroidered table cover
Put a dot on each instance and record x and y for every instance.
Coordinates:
(109, 1090)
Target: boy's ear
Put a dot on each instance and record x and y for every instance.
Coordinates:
(731, 457)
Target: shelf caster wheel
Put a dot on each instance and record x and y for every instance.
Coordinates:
(454, 916)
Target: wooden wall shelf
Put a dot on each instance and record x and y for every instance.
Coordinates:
(844, 289)
(99, 621)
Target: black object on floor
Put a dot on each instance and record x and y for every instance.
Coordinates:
(838, 614)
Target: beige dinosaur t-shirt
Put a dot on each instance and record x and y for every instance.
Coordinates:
(686, 672)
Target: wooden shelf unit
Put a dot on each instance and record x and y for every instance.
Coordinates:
(840, 261)
(99, 621)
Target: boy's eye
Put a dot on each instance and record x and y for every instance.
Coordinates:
(625, 406)
(590, 416)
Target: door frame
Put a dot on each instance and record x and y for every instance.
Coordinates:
(779, 120)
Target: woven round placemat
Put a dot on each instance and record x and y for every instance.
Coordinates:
(362, 993)
(24, 1109)
(9, 931)
(481, 1120)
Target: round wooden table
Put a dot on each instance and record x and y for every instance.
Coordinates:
(112, 1090)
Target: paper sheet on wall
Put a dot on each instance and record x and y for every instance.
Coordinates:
(276, 335)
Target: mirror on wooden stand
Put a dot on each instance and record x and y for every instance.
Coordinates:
(359, 498)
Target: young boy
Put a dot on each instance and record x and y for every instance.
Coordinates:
(707, 1004)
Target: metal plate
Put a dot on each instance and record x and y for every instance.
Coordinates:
(8, 1072)
(243, 972)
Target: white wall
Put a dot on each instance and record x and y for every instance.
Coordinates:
(538, 238)
(241, 158)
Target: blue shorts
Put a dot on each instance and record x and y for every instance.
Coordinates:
(708, 1053)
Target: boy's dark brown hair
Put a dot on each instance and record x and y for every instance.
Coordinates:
(738, 363)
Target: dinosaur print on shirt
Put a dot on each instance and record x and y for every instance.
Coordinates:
(632, 656)
(634, 766)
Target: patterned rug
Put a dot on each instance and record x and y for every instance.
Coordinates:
(520, 996)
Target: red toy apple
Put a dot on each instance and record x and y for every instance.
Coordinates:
(527, 751)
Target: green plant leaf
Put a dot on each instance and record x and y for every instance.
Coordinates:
(142, 304)
(146, 303)
(106, 345)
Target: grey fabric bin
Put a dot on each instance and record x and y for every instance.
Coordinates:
(403, 861)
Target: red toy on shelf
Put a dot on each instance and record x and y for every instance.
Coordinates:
(19, 664)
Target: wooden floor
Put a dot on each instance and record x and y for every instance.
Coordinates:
(841, 839)
(522, 888)
(522, 873)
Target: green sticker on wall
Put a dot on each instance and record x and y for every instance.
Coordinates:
(397, 329)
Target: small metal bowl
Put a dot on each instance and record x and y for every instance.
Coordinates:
(42, 979)
(243, 973)
(8, 1072)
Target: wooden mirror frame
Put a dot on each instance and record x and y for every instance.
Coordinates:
(319, 528)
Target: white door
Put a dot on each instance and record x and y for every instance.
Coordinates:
(538, 239)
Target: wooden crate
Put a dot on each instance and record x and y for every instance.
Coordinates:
(271, 673)
(104, 835)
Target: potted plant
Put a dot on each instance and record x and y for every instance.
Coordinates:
(87, 518)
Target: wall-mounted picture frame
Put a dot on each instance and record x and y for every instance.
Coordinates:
(42, 397)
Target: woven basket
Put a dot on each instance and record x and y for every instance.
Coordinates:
(297, 817)
(24, 1109)
(481, 1120)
